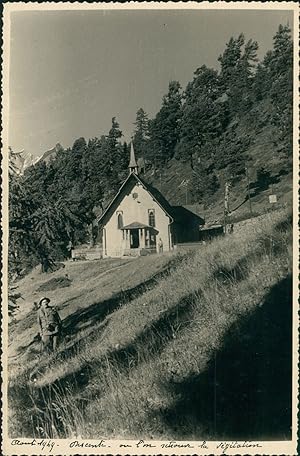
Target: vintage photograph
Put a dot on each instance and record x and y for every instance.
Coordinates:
(149, 222)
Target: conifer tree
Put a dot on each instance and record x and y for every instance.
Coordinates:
(281, 72)
(204, 182)
(202, 114)
(232, 155)
(116, 158)
(114, 135)
(164, 129)
(141, 133)
(237, 72)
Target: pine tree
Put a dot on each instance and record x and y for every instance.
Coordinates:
(21, 243)
(202, 114)
(204, 182)
(280, 67)
(237, 73)
(116, 157)
(114, 134)
(229, 61)
(54, 225)
(141, 133)
(261, 83)
(164, 129)
(231, 155)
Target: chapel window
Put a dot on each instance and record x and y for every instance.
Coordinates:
(120, 220)
(151, 217)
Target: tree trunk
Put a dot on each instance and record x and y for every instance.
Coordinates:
(192, 161)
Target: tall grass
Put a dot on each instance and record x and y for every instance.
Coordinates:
(121, 382)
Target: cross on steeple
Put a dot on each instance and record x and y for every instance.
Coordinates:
(133, 167)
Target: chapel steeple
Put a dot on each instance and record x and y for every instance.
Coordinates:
(133, 167)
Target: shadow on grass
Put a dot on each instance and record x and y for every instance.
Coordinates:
(246, 392)
(148, 343)
(240, 270)
(235, 274)
(265, 180)
(95, 313)
(284, 225)
(263, 183)
(84, 318)
(154, 339)
(240, 204)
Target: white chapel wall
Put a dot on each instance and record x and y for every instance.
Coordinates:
(135, 210)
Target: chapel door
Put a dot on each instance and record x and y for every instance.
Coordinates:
(153, 240)
(134, 239)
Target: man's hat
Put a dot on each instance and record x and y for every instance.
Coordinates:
(47, 299)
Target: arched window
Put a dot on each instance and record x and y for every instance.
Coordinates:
(120, 220)
(151, 217)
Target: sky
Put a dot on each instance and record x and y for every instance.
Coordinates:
(72, 71)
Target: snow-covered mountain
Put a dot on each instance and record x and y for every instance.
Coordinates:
(19, 161)
(29, 159)
(49, 154)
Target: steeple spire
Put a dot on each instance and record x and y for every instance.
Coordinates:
(133, 167)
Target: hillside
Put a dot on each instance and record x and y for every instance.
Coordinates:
(176, 184)
(154, 345)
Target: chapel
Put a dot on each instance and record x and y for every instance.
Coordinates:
(140, 221)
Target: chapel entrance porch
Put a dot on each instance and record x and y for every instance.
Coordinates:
(139, 239)
(134, 239)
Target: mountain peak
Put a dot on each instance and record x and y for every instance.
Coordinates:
(51, 153)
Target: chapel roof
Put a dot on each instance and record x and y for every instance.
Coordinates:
(178, 214)
(132, 162)
(131, 180)
(135, 225)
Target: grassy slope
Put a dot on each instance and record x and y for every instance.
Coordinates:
(93, 283)
(193, 352)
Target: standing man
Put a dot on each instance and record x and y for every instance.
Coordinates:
(50, 325)
(70, 249)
